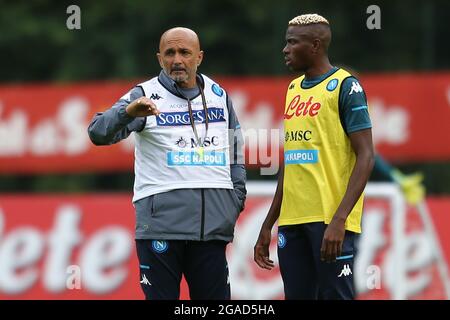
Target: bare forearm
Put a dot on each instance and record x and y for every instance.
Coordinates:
(274, 211)
(357, 182)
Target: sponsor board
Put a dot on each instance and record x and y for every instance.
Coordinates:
(48, 241)
(43, 128)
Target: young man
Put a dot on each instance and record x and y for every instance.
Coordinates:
(328, 155)
(188, 190)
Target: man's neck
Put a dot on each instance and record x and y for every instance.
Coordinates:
(187, 85)
(321, 67)
(183, 85)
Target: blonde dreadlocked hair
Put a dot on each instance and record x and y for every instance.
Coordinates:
(306, 19)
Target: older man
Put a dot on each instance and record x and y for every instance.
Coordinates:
(189, 189)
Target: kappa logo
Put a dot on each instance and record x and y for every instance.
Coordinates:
(155, 96)
(346, 271)
(145, 280)
(356, 87)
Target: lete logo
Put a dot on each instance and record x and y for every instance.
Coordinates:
(300, 108)
(101, 257)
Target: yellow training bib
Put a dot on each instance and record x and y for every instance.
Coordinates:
(318, 155)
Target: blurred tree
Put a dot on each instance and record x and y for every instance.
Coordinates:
(118, 40)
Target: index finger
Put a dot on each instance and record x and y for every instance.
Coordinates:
(148, 102)
(262, 260)
(323, 250)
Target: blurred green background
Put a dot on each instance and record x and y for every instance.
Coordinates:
(119, 39)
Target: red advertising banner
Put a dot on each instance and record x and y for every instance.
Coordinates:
(82, 247)
(43, 128)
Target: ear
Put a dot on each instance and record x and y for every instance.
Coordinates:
(200, 58)
(316, 44)
(158, 55)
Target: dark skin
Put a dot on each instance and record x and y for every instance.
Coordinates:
(261, 249)
(306, 51)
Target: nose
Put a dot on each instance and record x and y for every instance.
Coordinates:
(285, 49)
(177, 59)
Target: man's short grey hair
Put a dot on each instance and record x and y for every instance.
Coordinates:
(306, 19)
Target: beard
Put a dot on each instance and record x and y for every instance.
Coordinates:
(179, 78)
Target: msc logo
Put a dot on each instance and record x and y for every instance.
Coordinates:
(160, 246)
(298, 135)
(300, 108)
(155, 96)
(346, 271)
(205, 142)
(281, 240)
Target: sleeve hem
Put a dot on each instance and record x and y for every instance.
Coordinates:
(359, 128)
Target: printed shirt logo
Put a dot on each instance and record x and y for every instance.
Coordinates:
(301, 156)
(196, 158)
(332, 84)
(145, 280)
(356, 87)
(292, 86)
(217, 90)
(298, 135)
(300, 108)
(346, 271)
(182, 118)
(155, 96)
(281, 240)
(160, 246)
(202, 142)
(182, 143)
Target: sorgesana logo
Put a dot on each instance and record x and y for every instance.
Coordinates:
(182, 118)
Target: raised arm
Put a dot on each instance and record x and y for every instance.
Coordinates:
(116, 123)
